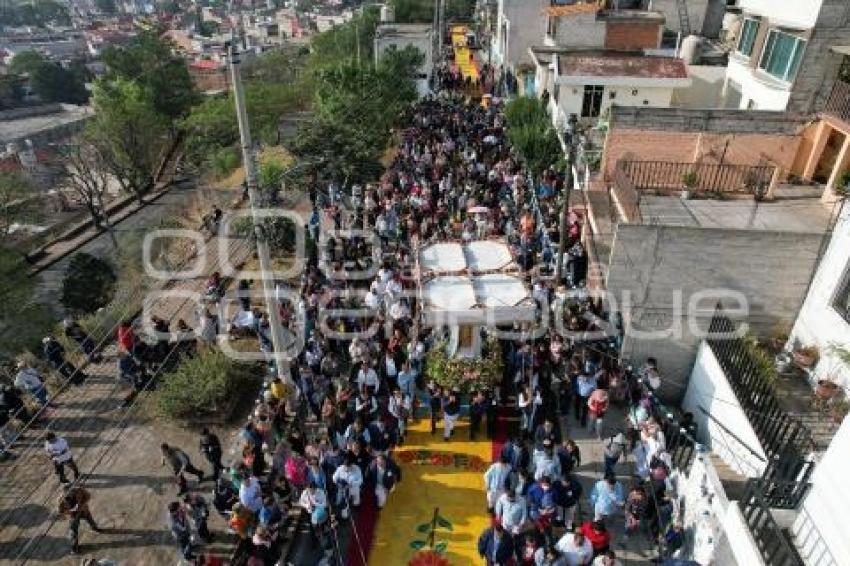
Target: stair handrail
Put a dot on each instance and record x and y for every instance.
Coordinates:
(732, 434)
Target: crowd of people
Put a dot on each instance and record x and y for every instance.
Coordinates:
(328, 443)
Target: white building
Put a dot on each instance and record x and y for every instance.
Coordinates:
(399, 36)
(519, 25)
(824, 319)
(588, 83)
(772, 38)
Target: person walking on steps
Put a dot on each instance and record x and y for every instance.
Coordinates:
(180, 464)
(54, 353)
(181, 529)
(211, 449)
(60, 453)
(74, 504)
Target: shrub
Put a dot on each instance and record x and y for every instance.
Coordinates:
(89, 284)
(224, 161)
(203, 385)
(467, 375)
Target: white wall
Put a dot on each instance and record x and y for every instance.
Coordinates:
(705, 90)
(739, 539)
(571, 98)
(818, 323)
(709, 389)
(701, 495)
(422, 43)
(525, 24)
(765, 93)
(820, 530)
(797, 13)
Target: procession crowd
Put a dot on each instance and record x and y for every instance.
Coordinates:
(328, 443)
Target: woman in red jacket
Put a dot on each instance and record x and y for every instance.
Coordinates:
(598, 536)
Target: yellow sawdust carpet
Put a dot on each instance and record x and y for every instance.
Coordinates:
(436, 475)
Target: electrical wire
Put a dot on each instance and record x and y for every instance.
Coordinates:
(102, 405)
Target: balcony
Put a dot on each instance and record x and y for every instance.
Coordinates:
(838, 104)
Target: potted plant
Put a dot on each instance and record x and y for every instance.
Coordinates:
(826, 389)
(806, 357)
(842, 185)
(839, 410)
(777, 339)
(689, 181)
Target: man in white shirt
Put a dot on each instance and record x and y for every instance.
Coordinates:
(315, 502)
(368, 378)
(348, 479)
(512, 512)
(60, 453)
(575, 549)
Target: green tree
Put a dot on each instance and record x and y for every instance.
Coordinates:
(14, 188)
(50, 81)
(89, 284)
(422, 11)
(129, 134)
(23, 320)
(163, 76)
(531, 133)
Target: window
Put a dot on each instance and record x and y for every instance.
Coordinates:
(748, 36)
(592, 102)
(841, 301)
(782, 54)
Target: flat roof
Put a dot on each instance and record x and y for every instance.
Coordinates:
(583, 8)
(23, 128)
(603, 64)
(796, 214)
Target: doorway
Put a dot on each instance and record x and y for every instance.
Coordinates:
(829, 156)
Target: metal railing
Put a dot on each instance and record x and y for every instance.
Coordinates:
(628, 197)
(838, 103)
(703, 177)
(772, 543)
(786, 441)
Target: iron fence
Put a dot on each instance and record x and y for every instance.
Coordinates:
(772, 542)
(838, 103)
(702, 177)
(786, 441)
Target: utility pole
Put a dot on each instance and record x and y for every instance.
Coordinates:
(572, 132)
(281, 363)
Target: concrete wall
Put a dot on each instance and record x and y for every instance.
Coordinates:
(715, 121)
(797, 13)
(819, 323)
(580, 30)
(571, 98)
(696, 13)
(705, 90)
(656, 271)
(709, 389)
(688, 147)
(756, 93)
(704, 503)
(737, 545)
(819, 67)
(820, 529)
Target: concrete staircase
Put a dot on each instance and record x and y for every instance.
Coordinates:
(734, 483)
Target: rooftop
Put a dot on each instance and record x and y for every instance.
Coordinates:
(402, 30)
(611, 64)
(15, 130)
(804, 215)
